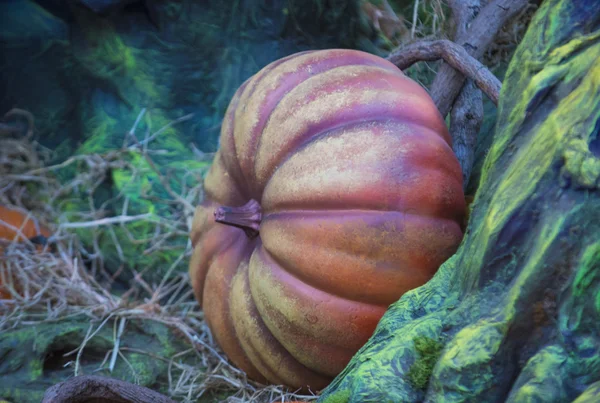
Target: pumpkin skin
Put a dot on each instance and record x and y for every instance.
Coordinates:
(29, 229)
(359, 200)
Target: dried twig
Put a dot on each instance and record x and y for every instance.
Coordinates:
(414, 19)
(164, 128)
(454, 55)
(106, 221)
(117, 340)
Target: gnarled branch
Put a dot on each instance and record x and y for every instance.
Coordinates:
(465, 121)
(463, 13)
(467, 113)
(92, 388)
(476, 39)
(453, 54)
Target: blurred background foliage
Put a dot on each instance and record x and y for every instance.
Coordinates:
(85, 68)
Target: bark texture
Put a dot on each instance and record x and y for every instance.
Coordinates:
(465, 121)
(514, 315)
(90, 388)
(475, 39)
(453, 54)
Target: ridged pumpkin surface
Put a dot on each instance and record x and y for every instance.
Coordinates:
(361, 199)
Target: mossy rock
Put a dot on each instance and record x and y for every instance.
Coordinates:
(33, 358)
(428, 351)
(138, 185)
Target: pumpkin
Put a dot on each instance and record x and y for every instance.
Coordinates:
(16, 226)
(335, 191)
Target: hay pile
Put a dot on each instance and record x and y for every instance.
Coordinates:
(66, 278)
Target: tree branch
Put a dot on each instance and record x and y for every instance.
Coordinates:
(467, 113)
(463, 13)
(475, 40)
(453, 54)
(465, 121)
(86, 388)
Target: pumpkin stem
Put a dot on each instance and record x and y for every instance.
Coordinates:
(246, 217)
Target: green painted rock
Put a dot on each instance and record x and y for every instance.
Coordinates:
(135, 189)
(32, 358)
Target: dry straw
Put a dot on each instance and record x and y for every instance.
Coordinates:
(54, 284)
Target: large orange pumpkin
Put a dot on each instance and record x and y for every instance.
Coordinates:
(335, 190)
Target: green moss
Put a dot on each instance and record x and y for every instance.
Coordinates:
(588, 274)
(137, 184)
(590, 395)
(26, 21)
(14, 395)
(35, 369)
(542, 378)
(32, 358)
(341, 396)
(139, 366)
(105, 56)
(429, 351)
